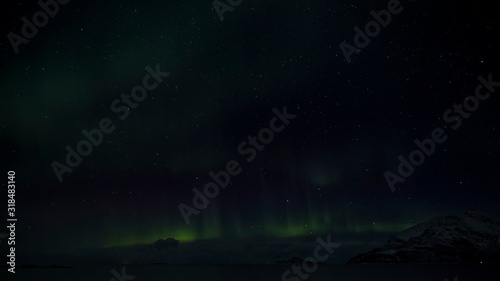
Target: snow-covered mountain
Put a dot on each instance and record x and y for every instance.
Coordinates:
(472, 236)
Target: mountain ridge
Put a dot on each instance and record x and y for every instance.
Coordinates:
(469, 237)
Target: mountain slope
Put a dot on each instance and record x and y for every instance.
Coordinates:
(472, 236)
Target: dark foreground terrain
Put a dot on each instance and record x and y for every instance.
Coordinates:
(351, 272)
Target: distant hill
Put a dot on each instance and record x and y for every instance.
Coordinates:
(469, 237)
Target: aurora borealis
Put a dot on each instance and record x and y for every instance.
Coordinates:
(323, 174)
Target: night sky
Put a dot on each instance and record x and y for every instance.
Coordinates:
(322, 174)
